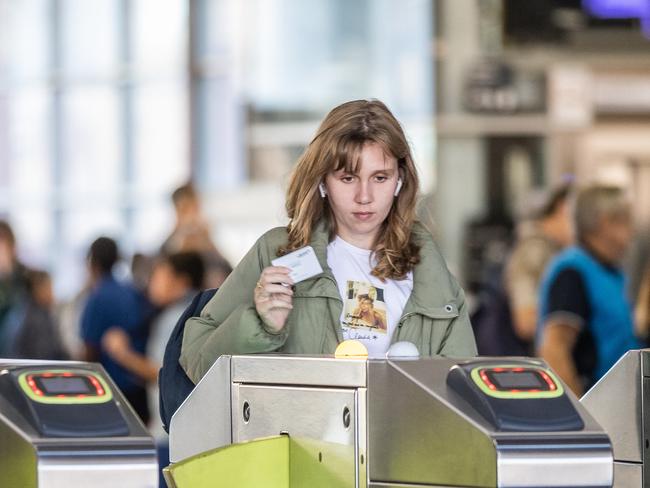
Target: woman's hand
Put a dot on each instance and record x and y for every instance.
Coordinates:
(273, 296)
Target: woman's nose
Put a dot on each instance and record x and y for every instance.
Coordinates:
(364, 193)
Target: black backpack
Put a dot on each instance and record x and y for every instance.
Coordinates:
(492, 322)
(173, 384)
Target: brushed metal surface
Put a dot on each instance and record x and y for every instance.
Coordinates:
(202, 422)
(645, 361)
(414, 437)
(407, 428)
(645, 408)
(431, 375)
(376, 484)
(299, 370)
(411, 410)
(93, 472)
(316, 413)
(575, 466)
(361, 447)
(311, 416)
(627, 475)
(615, 402)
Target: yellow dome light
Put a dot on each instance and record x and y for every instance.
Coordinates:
(351, 349)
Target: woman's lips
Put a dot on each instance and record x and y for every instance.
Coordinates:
(363, 215)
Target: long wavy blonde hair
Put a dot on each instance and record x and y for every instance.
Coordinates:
(338, 144)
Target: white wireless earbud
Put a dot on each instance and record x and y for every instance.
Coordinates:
(322, 190)
(398, 187)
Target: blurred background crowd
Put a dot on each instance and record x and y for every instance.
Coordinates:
(144, 145)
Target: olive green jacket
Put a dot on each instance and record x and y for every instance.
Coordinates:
(435, 317)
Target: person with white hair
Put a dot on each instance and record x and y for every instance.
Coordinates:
(585, 320)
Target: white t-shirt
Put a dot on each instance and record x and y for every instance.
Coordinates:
(371, 308)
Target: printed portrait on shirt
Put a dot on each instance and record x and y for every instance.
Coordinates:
(365, 307)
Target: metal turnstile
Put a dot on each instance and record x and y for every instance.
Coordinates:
(620, 402)
(402, 423)
(65, 424)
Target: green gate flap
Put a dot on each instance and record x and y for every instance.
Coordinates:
(271, 462)
(253, 464)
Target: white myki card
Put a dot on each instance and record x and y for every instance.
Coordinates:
(302, 262)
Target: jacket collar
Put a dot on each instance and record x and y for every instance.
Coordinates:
(433, 292)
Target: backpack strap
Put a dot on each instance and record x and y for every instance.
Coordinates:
(173, 384)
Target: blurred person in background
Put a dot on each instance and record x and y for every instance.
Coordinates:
(192, 233)
(13, 289)
(68, 314)
(505, 319)
(114, 304)
(547, 233)
(190, 223)
(585, 318)
(174, 282)
(141, 269)
(642, 309)
(38, 336)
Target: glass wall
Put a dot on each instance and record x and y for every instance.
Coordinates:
(93, 125)
(107, 105)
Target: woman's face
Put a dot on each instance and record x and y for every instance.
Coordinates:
(361, 202)
(366, 305)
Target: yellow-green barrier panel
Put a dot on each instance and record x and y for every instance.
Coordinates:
(272, 462)
(253, 464)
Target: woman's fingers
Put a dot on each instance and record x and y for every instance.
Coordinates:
(273, 296)
(264, 298)
(275, 274)
(276, 289)
(275, 303)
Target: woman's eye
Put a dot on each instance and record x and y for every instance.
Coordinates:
(380, 178)
(347, 179)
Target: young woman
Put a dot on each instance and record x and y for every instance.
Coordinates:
(352, 198)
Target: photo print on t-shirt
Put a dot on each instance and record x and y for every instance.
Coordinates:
(364, 308)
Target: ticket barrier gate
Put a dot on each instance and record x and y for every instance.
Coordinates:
(398, 423)
(620, 402)
(65, 424)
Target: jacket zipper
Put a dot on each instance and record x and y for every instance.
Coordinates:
(402, 318)
(339, 328)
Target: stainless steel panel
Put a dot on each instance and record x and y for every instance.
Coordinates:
(414, 437)
(417, 432)
(202, 422)
(402, 485)
(615, 402)
(645, 421)
(297, 370)
(313, 417)
(571, 466)
(361, 446)
(411, 410)
(94, 472)
(431, 375)
(627, 475)
(645, 361)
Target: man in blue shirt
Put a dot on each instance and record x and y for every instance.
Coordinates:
(586, 320)
(113, 304)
